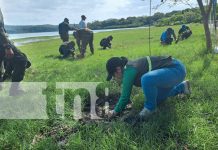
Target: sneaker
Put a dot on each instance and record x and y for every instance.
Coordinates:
(187, 85)
(145, 113)
(138, 118)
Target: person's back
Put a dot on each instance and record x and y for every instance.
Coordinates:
(184, 33)
(166, 36)
(82, 24)
(163, 36)
(63, 28)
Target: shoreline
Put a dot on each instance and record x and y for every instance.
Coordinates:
(52, 34)
(28, 38)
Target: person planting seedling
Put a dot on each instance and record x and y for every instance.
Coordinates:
(159, 77)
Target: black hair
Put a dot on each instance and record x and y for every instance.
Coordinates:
(124, 61)
(110, 37)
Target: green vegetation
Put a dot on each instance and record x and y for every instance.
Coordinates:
(190, 123)
(158, 19)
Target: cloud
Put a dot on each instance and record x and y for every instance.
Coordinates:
(27, 12)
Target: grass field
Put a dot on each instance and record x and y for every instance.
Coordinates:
(190, 123)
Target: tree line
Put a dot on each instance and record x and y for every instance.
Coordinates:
(192, 15)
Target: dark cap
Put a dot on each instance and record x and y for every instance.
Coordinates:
(170, 30)
(83, 17)
(66, 20)
(111, 66)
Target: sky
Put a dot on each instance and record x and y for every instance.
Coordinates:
(38, 12)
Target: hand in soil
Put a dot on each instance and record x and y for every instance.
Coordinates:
(111, 114)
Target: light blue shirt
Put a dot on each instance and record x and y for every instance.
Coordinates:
(1, 19)
(82, 24)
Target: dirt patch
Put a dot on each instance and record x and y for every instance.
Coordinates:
(103, 105)
(61, 133)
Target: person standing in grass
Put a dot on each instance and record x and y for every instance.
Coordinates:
(15, 61)
(86, 36)
(166, 38)
(64, 29)
(159, 77)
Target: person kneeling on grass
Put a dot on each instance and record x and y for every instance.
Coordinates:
(66, 49)
(15, 61)
(184, 33)
(160, 77)
(106, 42)
(166, 38)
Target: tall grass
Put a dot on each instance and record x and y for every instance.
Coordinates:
(179, 124)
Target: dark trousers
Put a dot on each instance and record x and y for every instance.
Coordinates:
(64, 37)
(105, 44)
(186, 35)
(86, 37)
(15, 70)
(169, 41)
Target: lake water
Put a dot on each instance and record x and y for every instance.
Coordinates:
(42, 34)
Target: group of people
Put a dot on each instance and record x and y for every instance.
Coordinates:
(83, 35)
(159, 77)
(167, 39)
(13, 62)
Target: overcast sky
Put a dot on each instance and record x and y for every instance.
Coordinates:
(35, 12)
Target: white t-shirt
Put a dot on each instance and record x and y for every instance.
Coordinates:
(82, 24)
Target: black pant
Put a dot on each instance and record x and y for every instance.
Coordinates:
(186, 35)
(169, 41)
(105, 43)
(15, 70)
(64, 37)
(86, 37)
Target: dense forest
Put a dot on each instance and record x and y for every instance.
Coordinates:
(186, 16)
(158, 19)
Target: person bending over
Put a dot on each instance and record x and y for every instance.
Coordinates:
(166, 37)
(159, 77)
(106, 42)
(184, 33)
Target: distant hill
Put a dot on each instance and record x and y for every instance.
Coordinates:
(11, 29)
(31, 28)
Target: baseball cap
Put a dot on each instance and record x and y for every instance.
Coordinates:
(83, 16)
(66, 20)
(111, 66)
